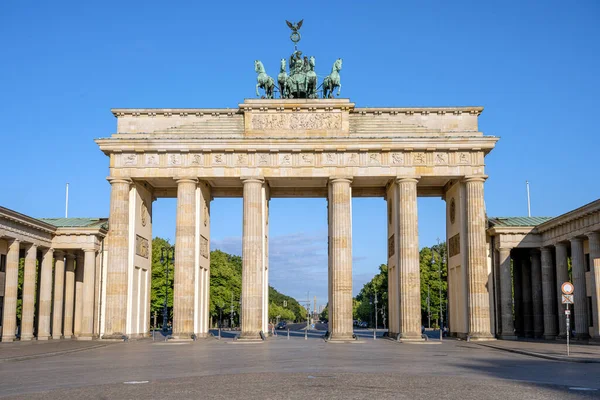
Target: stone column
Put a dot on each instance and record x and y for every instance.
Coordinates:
(78, 295)
(29, 292)
(9, 317)
(115, 320)
(579, 293)
(477, 274)
(562, 276)
(340, 264)
(527, 296)
(45, 306)
(408, 269)
(536, 293)
(185, 246)
(59, 289)
(594, 243)
(549, 294)
(252, 260)
(518, 294)
(69, 296)
(89, 274)
(506, 298)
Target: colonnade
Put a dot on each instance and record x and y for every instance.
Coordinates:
(65, 286)
(536, 276)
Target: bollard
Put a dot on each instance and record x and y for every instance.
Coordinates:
(219, 333)
(374, 334)
(288, 333)
(306, 334)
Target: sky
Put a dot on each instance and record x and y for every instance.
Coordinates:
(533, 65)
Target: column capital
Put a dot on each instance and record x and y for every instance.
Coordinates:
(401, 179)
(89, 250)
(545, 249)
(593, 235)
(576, 240)
(504, 248)
(534, 252)
(186, 180)
(12, 242)
(475, 178)
(49, 250)
(59, 254)
(334, 179)
(114, 179)
(252, 179)
(70, 256)
(30, 245)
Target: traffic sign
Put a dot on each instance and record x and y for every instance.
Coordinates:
(567, 312)
(567, 288)
(567, 299)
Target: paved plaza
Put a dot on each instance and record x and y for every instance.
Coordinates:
(294, 368)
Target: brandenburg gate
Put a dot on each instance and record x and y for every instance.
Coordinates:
(295, 147)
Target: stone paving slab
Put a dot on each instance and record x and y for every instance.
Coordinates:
(549, 350)
(18, 351)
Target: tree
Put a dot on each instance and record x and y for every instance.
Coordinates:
(159, 277)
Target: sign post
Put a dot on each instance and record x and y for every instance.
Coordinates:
(567, 298)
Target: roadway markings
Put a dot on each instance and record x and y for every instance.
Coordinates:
(135, 382)
(583, 389)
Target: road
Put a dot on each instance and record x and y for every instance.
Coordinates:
(295, 368)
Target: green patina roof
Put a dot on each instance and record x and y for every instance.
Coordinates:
(517, 221)
(77, 222)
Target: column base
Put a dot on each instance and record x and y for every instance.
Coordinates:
(26, 338)
(57, 337)
(182, 336)
(410, 337)
(341, 337)
(8, 339)
(84, 338)
(43, 337)
(480, 337)
(507, 337)
(114, 336)
(550, 337)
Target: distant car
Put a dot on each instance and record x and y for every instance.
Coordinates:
(363, 324)
(281, 325)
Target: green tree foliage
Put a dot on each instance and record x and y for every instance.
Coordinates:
(430, 276)
(159, 277)
(363, 307)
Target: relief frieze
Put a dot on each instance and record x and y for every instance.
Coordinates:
(142, 247)
(203, 247)
(454, 245)
(296, 121)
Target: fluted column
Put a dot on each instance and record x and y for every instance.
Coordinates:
(59, 290)
(594, 243)
(549, 294)
(9, 316)
(527, 296)
(518, 294)
(45, 306)
(340, 265)
(409, 290)
(579, 292)
(536, 293)
(29, 286)
(477, 273)
(69, 296)
(185, 236)
(252, 260)
(89, 275)
(562, 276)
(78, 295)
(506, 298)
(115, 320)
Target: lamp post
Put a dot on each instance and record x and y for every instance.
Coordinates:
(375, 330)
(166, 254)
(441, 314)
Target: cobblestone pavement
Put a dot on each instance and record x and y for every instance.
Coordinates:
(295, 368)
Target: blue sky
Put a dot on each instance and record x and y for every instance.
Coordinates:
(533, 65)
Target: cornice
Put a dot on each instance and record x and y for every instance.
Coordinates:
(577, 213)
(169, 112)
(26, 220)
(471, 110)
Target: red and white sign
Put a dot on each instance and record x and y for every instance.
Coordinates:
(567, 299)
(567, 288)
(568, 312)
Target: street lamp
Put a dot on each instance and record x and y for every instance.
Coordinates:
(375, 330)
(441, 314)
(165, 253)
